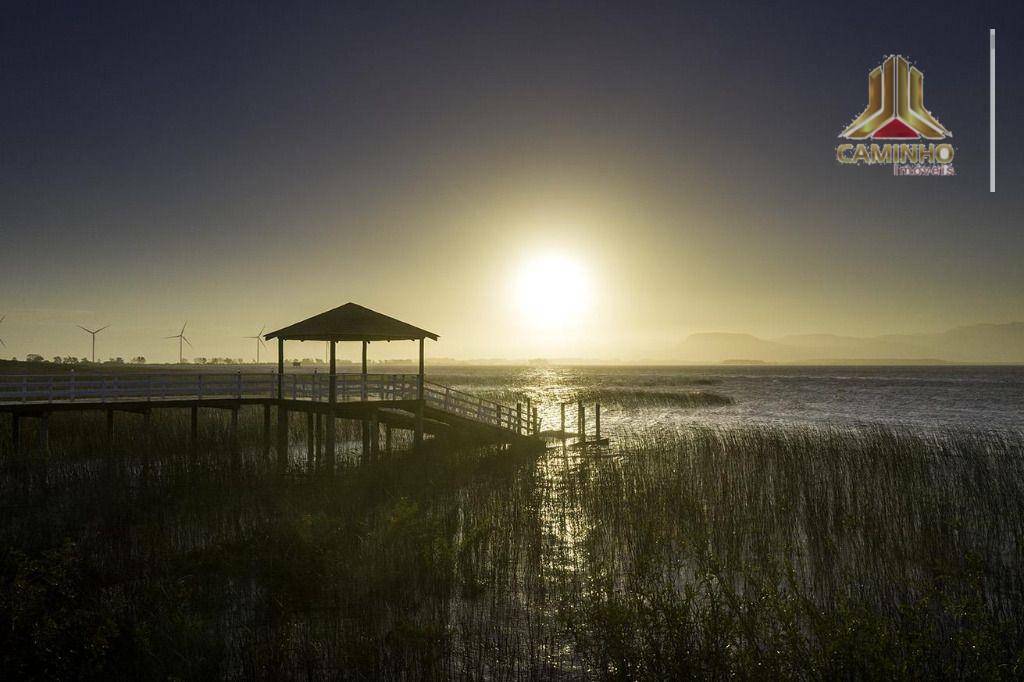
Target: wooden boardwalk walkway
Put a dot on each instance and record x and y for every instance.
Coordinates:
(392, 400)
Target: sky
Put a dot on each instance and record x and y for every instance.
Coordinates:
(243, 164)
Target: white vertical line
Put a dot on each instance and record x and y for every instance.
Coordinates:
(991, 110)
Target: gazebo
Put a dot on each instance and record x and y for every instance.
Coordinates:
(350, 322)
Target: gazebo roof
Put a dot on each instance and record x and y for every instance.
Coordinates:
(351, 322)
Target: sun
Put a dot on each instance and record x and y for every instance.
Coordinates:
(552, 290)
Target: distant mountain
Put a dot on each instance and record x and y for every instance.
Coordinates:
(716, 347)
(975, 343)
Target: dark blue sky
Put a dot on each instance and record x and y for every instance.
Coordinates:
(256, 162)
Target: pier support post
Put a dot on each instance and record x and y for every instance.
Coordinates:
(581, 421)
(331, 428)
(282, 437)
(310, 441)
(15, 433)
(43, 436)
(597, 421)
(563, 420)
(519, 418)
(418, 432)
(319, 439)
(266, 432)
(193, 432)
(374, 436)
(387, 438)
(147, 440)
(529, 415)
(110, 429)
(236, 463)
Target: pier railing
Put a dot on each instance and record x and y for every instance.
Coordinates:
(349, 387)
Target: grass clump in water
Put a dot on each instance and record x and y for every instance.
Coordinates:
(634, 398)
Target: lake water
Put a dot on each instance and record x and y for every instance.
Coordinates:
(921, 398)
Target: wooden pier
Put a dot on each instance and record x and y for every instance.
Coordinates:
(402, 401)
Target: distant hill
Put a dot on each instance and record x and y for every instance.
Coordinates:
(1000, 343)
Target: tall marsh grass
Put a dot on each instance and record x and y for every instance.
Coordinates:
(754, 552)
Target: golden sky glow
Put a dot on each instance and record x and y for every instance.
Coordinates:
(597, 183)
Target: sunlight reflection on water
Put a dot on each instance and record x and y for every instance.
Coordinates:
(916, 397)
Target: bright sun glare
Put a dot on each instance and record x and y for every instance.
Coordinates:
(552, 290)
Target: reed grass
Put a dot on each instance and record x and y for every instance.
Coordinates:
(761, 552)
(621, 398)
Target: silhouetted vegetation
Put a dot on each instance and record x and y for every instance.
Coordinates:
(632, 398)
(817, 553)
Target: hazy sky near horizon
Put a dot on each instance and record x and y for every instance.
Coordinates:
(251, 164)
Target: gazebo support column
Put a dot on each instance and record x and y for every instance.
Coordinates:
(418, 436)
(310, 441)
(282, 412)
(332, 398)
(362, 396)
(280, 369)
(266, 432)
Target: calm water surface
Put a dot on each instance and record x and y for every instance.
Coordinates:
(918, 397)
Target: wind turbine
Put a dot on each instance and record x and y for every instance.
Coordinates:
(94, 332)
(2, 318)
(181, 337)
(259, 342)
